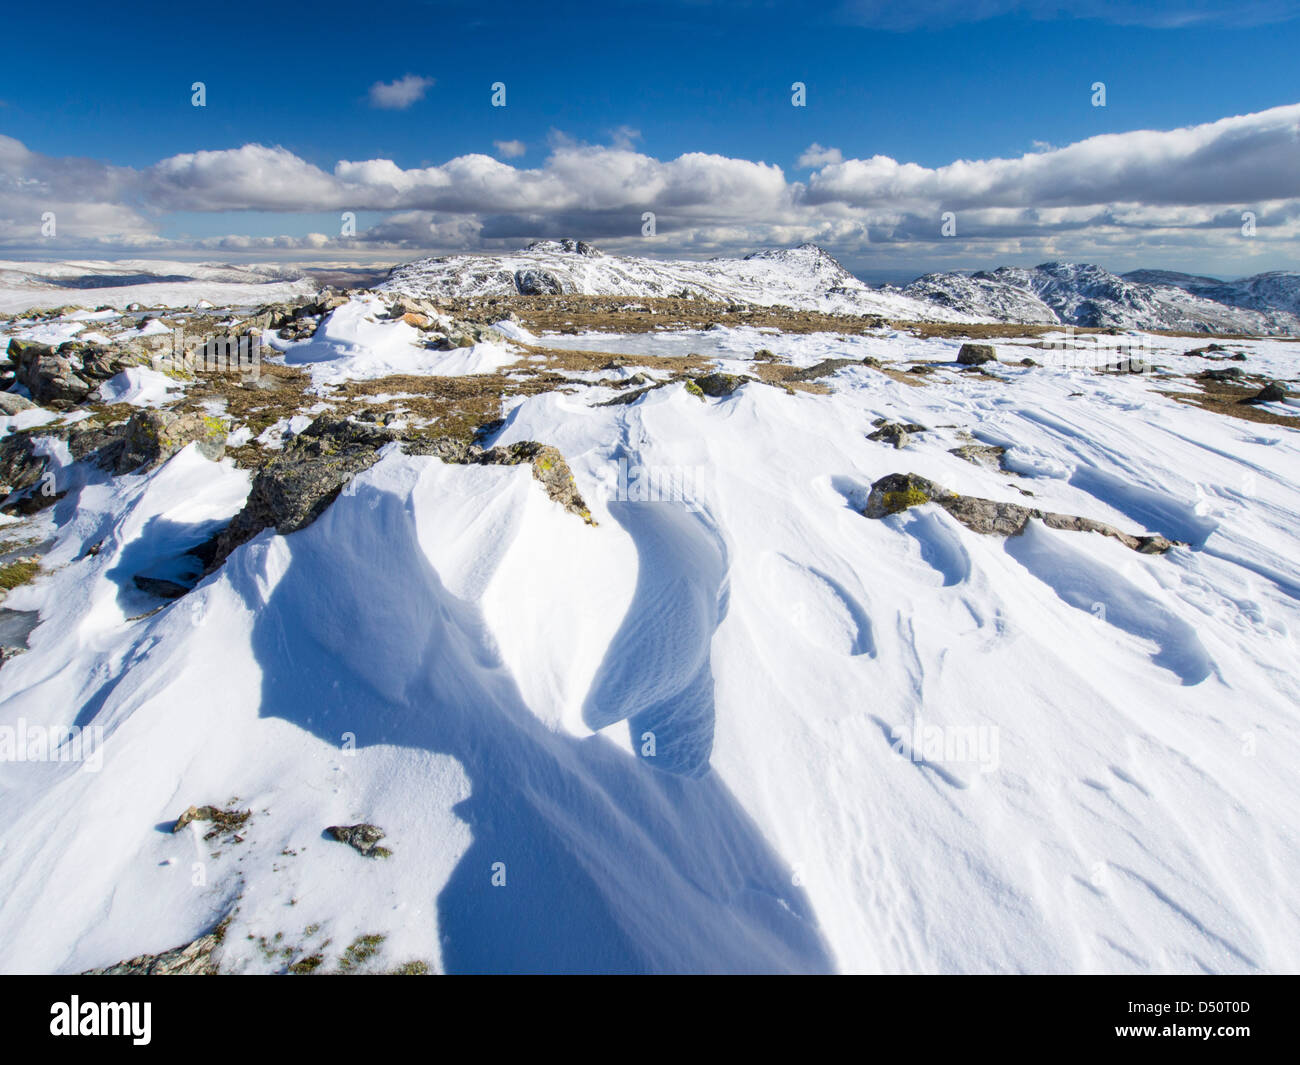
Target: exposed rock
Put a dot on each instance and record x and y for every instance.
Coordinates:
(363, 838)
(293, 489)
(221, 820)
(823, 369)
(549, 468)
(154, 436)
(719, 384)
(535, 282)
(50, 378)
(1273, 392)
(897, 492)
(296, 486)
(192, 959)
(162, 588)
(987, 455)
(1229, 373)
(894, 433)
(635, 394)
(976, 354)
(11, 403)
(20, 466)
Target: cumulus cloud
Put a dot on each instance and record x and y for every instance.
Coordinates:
(1132, 192)
(400, 94)
(815, 155)
(510, 149)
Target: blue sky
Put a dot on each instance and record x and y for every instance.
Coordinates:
(654, 80)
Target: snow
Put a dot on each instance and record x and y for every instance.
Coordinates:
(805, 278)
(140, 387)
(153, 283)
(878, 746)
(357, 342)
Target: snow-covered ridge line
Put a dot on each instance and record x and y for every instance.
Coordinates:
(805, 278)
(1086, 295)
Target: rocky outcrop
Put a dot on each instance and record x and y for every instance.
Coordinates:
(897, 492)
(293, 489)
(1273, 392)
(20, 465)
(296, 486)
(989, 456)
(535, 282)
(197, 958)
(896, 433)
(12, 403)
(976, 354)
(363, 838)
(718, 385)
(152, 437)
(51, 378)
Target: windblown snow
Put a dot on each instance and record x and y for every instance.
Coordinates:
(734, 725)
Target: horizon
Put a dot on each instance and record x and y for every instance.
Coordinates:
(875, 279)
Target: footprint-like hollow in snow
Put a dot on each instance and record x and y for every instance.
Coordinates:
(817, 606)
(1086, 584)
(656, 673)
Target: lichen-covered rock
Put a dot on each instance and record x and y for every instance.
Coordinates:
(549, 469)
(51, 378)
(896, 492)
(718, 384)
(197, 958)
(976, 354)
(293, 489)
(362, 838)
(296, 486)
(20, 465)
(154, 436)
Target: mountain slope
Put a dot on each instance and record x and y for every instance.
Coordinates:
(805, 278)
(1086, 295)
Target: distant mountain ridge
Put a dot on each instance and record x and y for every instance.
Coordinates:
(1086, 295)
(807, 278)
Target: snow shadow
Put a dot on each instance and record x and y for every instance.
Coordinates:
(656, 673)
(607, 865)
(1105, 593)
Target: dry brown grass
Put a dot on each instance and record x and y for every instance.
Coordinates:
(1226, 399)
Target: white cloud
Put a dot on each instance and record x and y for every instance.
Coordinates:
(815, 155)
(400, 94)
(1146, 194)
(510, 149)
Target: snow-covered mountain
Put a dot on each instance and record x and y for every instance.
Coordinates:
(805, 278)
(1277, 290)
(1086, 295)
